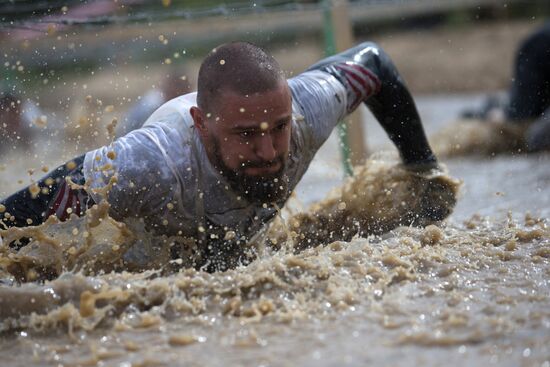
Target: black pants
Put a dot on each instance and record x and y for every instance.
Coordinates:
(530, 91)
(53, 196)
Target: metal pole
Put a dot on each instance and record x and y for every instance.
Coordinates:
(338, 37)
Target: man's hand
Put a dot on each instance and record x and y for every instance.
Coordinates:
(438, 193)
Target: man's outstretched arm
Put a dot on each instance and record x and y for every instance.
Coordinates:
(369, 76)
(52, 195)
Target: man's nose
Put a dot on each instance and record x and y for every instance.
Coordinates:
(265, 148)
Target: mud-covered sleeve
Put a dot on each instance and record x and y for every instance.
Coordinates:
(143, 178)
(319, 102)
(369, 76)
(395, 110)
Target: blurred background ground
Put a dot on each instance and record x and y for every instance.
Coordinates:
(83, 76)
(451, 53)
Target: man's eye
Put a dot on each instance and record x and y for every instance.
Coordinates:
(245, 134)
(282, 126)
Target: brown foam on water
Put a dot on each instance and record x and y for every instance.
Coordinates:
(478, 137)
(454, 270)
(92, 244)
(381, 196)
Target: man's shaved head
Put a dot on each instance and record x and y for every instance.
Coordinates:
(237, 66)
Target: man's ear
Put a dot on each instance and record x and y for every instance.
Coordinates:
(199, 120)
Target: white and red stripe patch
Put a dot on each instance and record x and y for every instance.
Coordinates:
(66, 198)
(363, 82)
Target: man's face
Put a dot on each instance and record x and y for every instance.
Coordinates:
(247, 138)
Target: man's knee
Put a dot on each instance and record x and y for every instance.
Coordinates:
(537, 136)
(536, 48)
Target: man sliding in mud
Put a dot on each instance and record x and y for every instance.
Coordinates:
(216, 165)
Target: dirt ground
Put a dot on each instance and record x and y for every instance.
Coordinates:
(458, 59)
(463, 58)
(466, 58)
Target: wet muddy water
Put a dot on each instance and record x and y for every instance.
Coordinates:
(473, 290)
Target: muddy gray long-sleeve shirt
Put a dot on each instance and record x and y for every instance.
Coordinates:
(165, 177)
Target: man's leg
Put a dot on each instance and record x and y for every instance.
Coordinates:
(530, 91)
(537, 136)
(53, 196)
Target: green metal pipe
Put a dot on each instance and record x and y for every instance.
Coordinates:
(330, 49)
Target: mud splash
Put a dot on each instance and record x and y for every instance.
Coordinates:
(92, 244)
(478, 137)
(286, 285)
(381, 196)
(468, 286)
(448, 285)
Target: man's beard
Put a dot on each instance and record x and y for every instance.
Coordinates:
(266, 188)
